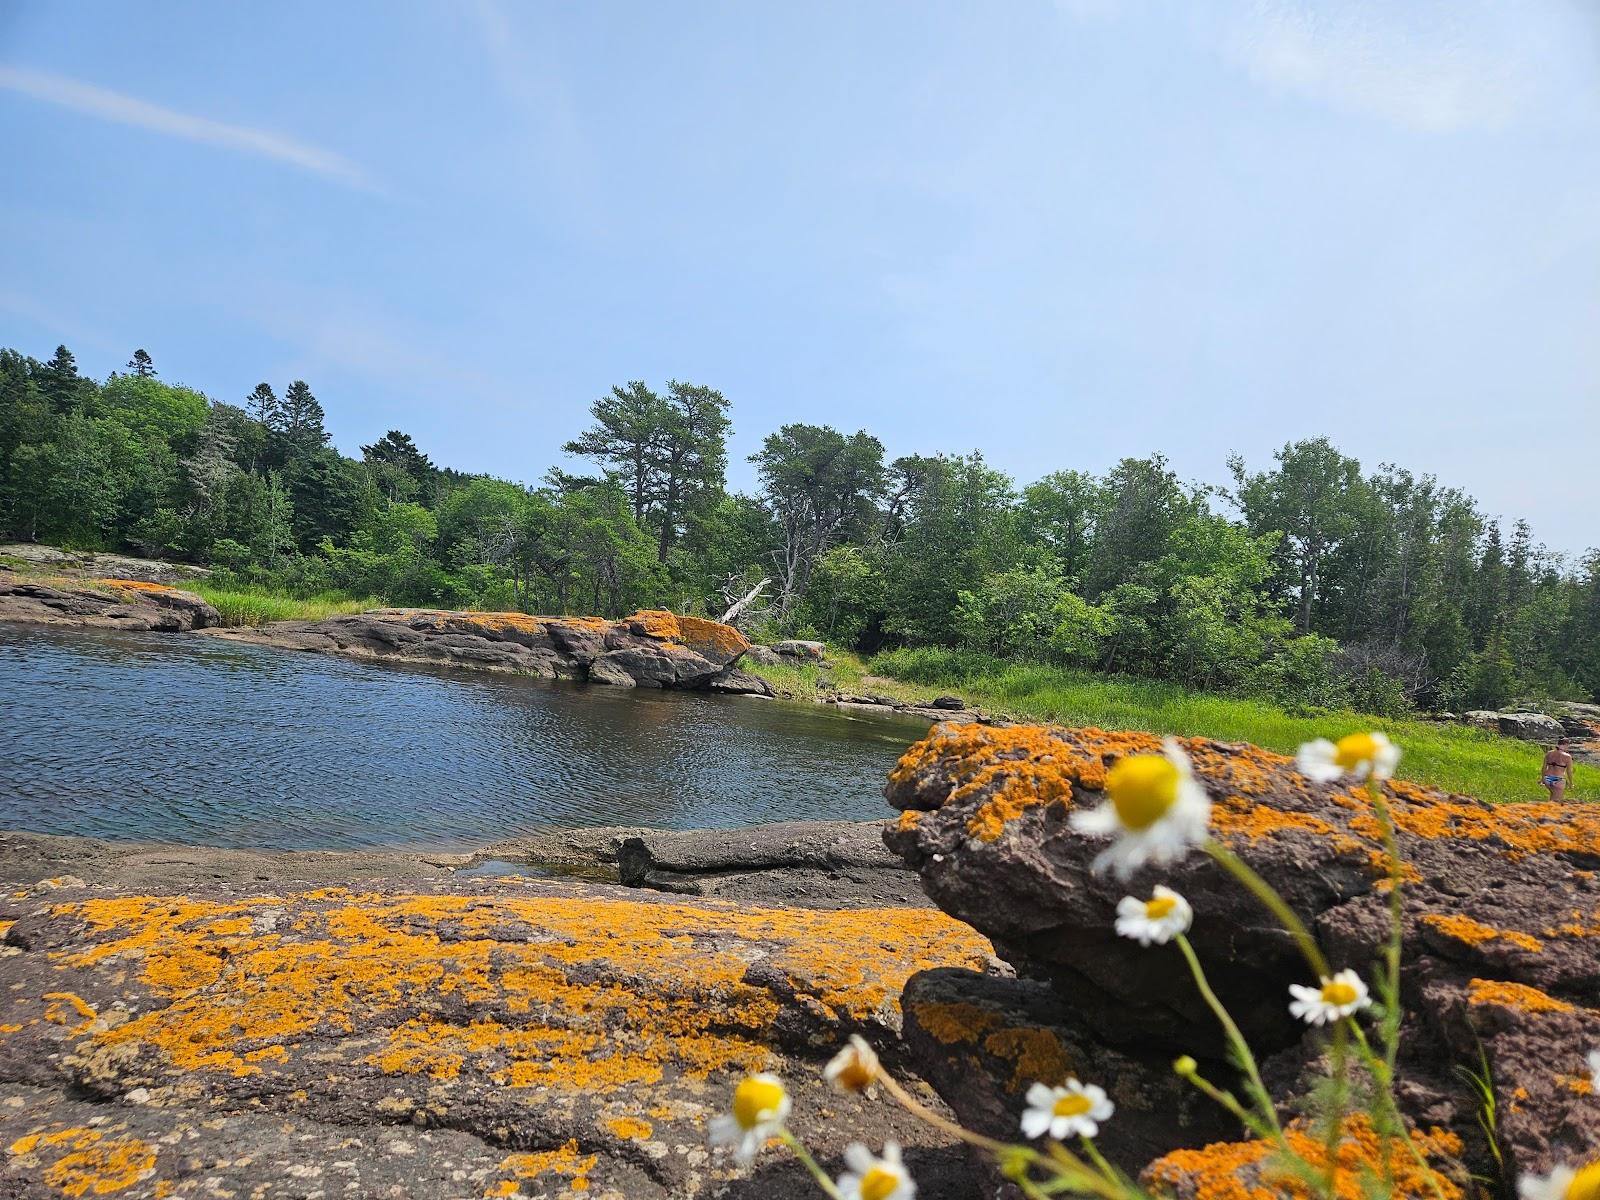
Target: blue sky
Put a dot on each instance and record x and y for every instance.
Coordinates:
(1059, 232)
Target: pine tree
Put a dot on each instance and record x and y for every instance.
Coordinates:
(142, 364)
(300, 421)
(61, 382)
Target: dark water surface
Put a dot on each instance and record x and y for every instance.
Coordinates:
(189, 739)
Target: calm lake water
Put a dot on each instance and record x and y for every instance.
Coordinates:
(188, 739)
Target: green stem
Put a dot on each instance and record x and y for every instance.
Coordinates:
(1335, 1132)
(1235, 1038)
(1377, 1066)
(1274, 903)
(1228, 1101)
(926, 1115)
(1391, 845)
(810, 1164)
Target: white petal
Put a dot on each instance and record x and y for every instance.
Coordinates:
(1128, 906)
(1095, 820)
(1035, 1121)
(858, 1158)
(1040, 1095)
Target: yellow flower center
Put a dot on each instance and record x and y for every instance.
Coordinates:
(1074, 1105)
(756, 1100)
(1585, 1184)
(879, 1184)
(1142, 787)
(1160, 907)
(1351, 752)
(1339, 993)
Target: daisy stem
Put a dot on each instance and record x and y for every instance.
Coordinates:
(1274, 903)
(1230, 1102)
(1236, 1039)
(1092, 1153)
(809, 1163)
(1390, 982)
(1336, 1115)
(1377, 1066)
(1391, 845)
(1078, 1177)
(919, 1110)
(1091, 1181)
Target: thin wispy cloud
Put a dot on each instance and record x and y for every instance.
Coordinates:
(122, 109)
(1431, 68)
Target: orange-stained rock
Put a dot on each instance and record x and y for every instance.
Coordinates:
(1501, 914)
(655, 649)
(1364, 1161)
(581, 1033)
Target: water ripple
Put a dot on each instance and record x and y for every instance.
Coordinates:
(189, 739)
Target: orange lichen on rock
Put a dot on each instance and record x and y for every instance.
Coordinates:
(630, 1128)
(563, 1160)
(710, 638)
(606, 993)
(88, 1162)
(955, 1022)
(1474, 933)
(1514, 995)
(136, 585)
(1035, 1053)
(1246, 1171)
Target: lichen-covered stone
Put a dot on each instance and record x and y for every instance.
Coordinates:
(649, 649)
(576, 1037)
(1500, 901)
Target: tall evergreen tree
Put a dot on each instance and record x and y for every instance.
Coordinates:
(142, 365)
(61, 382)
(299, 422)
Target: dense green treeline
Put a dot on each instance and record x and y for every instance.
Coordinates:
(1309, 580)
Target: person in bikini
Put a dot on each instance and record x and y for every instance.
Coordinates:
(1557, 774)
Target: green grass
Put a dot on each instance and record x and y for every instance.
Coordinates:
(1453, 757)
(258, 606)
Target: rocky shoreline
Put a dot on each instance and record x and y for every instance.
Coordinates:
(298, 1023)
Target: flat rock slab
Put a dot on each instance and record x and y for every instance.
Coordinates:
(494, 1037)
(105, 604)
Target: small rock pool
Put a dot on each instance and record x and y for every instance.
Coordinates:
(184, 738)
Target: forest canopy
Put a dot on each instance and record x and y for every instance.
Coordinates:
(1311, 579)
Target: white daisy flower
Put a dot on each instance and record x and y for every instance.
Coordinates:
(1563, 1183)
(1359, 754)
(1341, 996)
(1076, 1108)
(1159, 919)
(855, 1068)
(874, 1178)
(1594, 1071)
(760, 1105)
(1154, 806)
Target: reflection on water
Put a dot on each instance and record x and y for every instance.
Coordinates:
(190, 739)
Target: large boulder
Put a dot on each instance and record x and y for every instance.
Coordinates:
(480, 1038)
(1502, 916)
(1528, 726)
(654, 648)
(105, 604)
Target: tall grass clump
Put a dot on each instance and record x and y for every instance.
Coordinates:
(248, 606)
